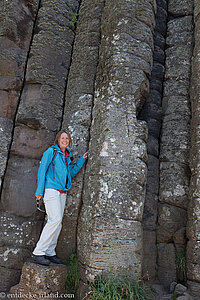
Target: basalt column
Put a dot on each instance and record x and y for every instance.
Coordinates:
(193, 225)
(17, 21)
(38, 118)
(152, 114)
(109, 228)
(175, 143)
(78, 106)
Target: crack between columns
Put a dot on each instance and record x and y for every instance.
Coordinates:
(159, 143)
(11, 268)
(66, 85)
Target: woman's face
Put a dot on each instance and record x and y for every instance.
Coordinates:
(63, 141)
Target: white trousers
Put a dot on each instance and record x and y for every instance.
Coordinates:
(54, 202)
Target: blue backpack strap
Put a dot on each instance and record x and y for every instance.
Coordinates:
(53, 163)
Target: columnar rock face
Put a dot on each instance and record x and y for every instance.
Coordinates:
(15, 43)
(17, 23)
(152, 114)
(40, 108)
(109, 228)
(102, 79)
(193, 229)
(78, 107)
(175, 140)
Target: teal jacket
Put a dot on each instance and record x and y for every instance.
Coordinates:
(63, 173)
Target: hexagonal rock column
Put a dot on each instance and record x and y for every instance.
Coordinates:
(40, 110)
(193, 225)
(175, 141)
(17, 22)
(41, 282)
(78, 106)
(109, 227)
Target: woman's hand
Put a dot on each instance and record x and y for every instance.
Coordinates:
(38, 197)
(85, 155)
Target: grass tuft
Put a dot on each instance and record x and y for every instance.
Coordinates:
(181, 265)
(112, 289)
(72, 283)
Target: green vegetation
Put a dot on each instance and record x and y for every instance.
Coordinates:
(73, 16)
(111, 289)
(104, 289)
(73, 277)
(73, 19)
(181, 265)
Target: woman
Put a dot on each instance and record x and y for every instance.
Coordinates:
(54, 180)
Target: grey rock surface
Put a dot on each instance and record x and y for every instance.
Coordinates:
(171, 219)
(149, 255)
(13, 257)
(180, 7)
(79, 99)
(180, 289)
(193, 289)
(166, 261)
(175, 138)
(18, 236)
(172, 286)
(34, 276)
(40, 82)
(120, 81)
(193, 230)
(14, 191)
(117, 146)
(10, 276)
(17, 21)
(185, 297)
(19, 231)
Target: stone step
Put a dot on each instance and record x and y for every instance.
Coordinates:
(41, 281)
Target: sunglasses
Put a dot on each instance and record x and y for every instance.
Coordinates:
(39, 203)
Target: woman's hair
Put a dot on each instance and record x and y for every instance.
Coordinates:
(58, 135)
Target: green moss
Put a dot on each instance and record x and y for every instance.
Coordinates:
(73, 16)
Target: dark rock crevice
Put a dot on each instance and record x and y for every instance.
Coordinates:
(152, 114)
